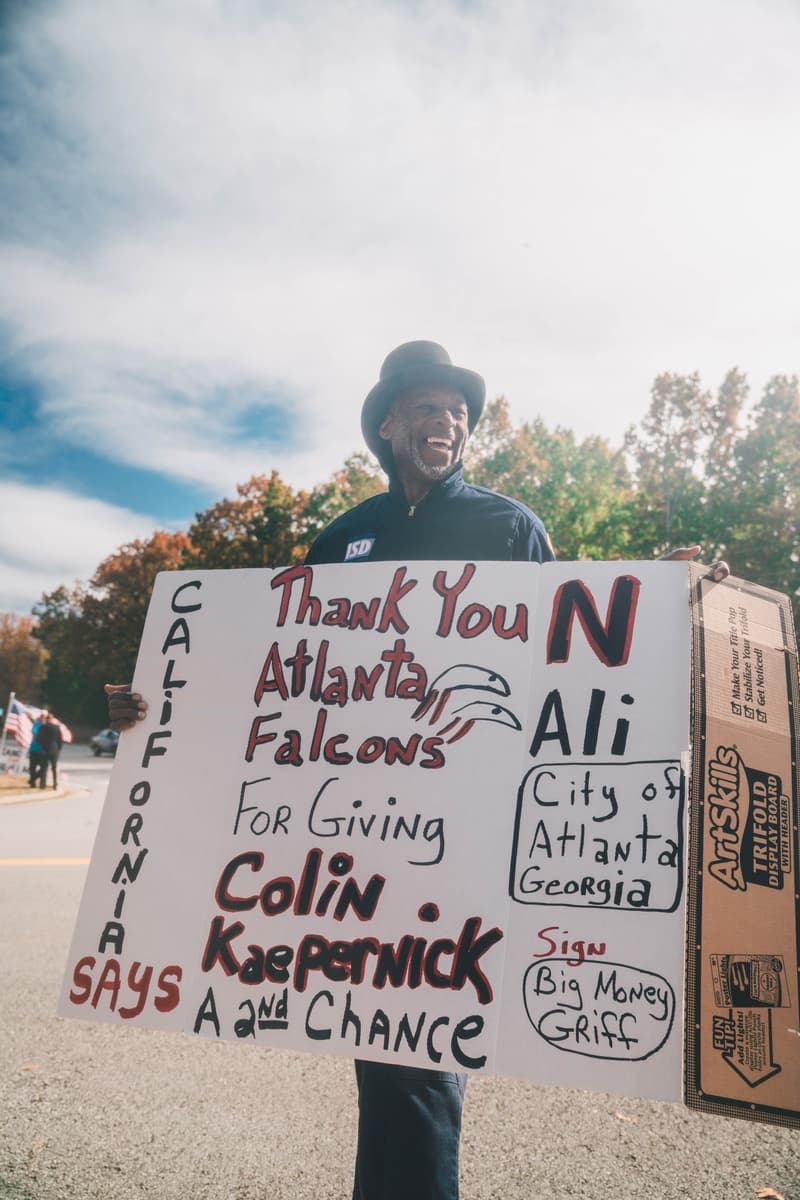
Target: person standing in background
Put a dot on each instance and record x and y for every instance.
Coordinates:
(35, 752)
(50, 743)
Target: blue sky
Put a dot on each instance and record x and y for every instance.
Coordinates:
(218, 218)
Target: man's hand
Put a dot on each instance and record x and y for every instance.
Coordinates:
(719, 570)
(125, 707)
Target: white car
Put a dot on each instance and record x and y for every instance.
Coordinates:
(104, 742)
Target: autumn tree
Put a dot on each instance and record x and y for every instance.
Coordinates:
(357, 480)
(260, 527)
(92, 631)
(22, 659)
(269, 524)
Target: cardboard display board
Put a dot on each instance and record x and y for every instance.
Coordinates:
(430, 814)
(743, 1044)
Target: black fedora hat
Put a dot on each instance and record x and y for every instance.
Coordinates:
(408, 366)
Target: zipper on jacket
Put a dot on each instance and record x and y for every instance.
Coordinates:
(412, 510)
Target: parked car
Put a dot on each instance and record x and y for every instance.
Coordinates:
(104, 742)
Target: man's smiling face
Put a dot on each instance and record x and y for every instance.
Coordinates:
(427, 428)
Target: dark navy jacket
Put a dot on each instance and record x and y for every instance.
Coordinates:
(455, 520)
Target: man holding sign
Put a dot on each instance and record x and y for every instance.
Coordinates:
(416, 420)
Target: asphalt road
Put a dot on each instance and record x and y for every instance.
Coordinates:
(98, 1111)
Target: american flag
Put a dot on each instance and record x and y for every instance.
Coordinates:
(21, 718)
(20, 723)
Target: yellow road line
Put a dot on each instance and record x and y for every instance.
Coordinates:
(44, 862)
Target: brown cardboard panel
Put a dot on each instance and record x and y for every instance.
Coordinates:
(743, 947)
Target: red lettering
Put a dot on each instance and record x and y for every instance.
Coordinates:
(309, 606)
(450, 595)
(257, 738)
(82, 979)
(518, 629)
(170, 994)
(391, 615)
(140, 987)
(271, 678)
(474, 620)
(109, 981)
(397, 657)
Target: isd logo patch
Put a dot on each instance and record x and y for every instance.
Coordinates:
(360, 548)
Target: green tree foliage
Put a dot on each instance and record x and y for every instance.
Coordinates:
(710, 469)
(756, 497)
(582, 489)
(22, 659)
(355, 482)
(722, 423)
(667, 452)
(259, 528)
(92, 632)
(68, 688)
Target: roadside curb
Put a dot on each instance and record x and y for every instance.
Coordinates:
(38, 795)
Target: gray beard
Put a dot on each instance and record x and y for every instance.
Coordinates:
(425, 469)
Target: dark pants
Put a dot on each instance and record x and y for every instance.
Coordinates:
(49, 759)
(34, 766)
(409, 1127)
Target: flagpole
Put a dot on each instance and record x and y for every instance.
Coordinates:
(11, 698)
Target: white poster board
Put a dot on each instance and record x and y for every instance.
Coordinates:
(430, 814)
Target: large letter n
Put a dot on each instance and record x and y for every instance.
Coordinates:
(611, 641)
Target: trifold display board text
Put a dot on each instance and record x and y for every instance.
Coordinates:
(431, 814)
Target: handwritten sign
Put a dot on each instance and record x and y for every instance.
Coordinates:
(431, 814)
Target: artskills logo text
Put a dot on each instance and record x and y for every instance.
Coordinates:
(749, 823)
(725, 817)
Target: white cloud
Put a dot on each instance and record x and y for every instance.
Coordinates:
(225, 196)
(50, 537)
